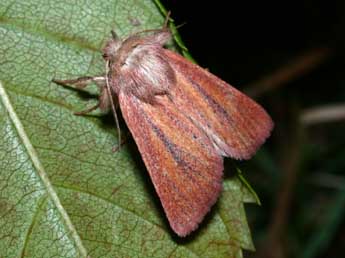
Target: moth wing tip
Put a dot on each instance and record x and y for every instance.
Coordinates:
(183, 230)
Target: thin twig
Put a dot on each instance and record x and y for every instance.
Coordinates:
(291, 71)
(323, 114)
(274, 245)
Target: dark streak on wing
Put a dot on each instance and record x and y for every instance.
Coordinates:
(214, 104)
(181, 160)
(172, 148)
(177, 154)
(237, 125)
(224, 116)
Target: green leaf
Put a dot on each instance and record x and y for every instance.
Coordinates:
(63, 192)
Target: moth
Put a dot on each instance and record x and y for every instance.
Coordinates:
(183, 119)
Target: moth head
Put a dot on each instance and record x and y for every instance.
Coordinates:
(111, 47)
(148, 37)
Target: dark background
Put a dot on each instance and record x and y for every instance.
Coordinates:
(289, 56)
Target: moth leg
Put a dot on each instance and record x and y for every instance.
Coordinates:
(105, 101)
(81, 82)
(103, 104)
(84, 112)
(122, 142)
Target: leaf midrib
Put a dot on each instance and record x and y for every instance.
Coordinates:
(40, 169)
(46, 182)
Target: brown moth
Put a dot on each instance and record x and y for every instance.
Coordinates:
(183, 119)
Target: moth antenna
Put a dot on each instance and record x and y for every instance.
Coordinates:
(112, 102)
(165, 26)
(167, 19)
(180, 25)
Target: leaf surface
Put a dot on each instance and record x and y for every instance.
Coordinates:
(63, 192)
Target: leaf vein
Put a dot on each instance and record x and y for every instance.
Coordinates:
(120, 207)
(40, 169)
(49, 35)
(32, 224)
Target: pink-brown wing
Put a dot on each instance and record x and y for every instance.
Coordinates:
(236, 124)
(184, 167)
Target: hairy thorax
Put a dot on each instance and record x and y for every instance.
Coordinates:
(138, 65)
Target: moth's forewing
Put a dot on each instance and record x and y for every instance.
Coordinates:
(184, 167)
(236, 124)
